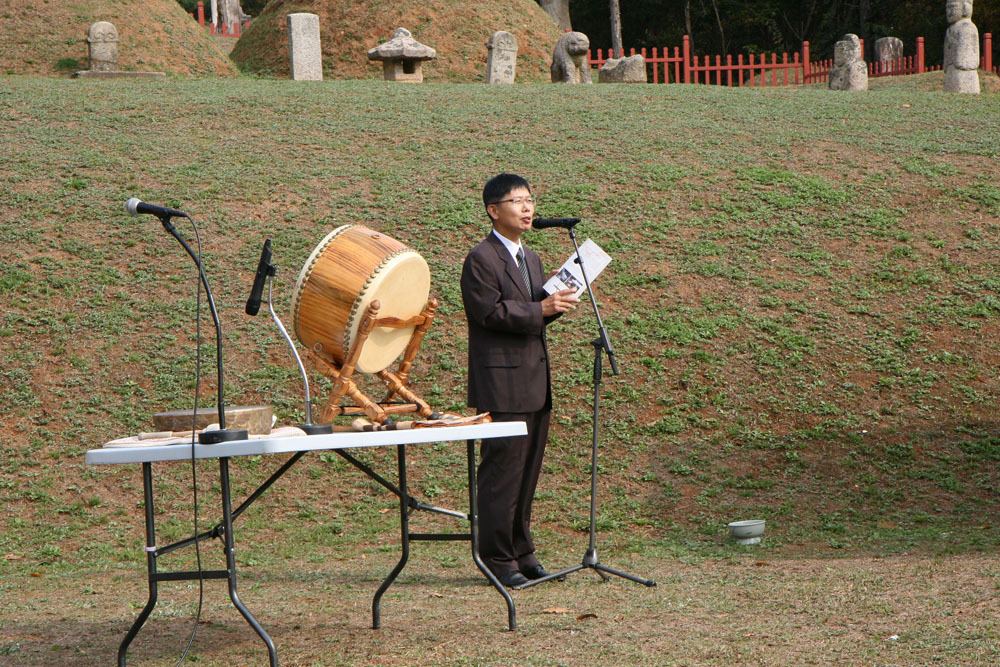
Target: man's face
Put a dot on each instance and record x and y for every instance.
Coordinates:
(956, 10)
(512, 215)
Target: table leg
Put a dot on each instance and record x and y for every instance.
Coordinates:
(474, 531)
(227, 519)
(147, 490)
(404, 527)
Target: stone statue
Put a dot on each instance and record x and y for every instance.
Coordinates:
(102, 40)
(569, 59)
(849, 69)
(961, 49)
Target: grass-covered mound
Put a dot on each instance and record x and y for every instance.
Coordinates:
(803, 297)
(49, 38)
(457, 29)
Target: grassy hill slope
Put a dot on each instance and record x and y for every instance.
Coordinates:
(457, 30)
(803, 298)
(156, 35)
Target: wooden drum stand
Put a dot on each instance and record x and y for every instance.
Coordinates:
(344, 385)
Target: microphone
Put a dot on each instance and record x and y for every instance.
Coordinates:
(545, 223)
(135, 206)
(264, 269)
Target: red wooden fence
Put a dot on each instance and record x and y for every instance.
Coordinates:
(223, 30)
(783, 70)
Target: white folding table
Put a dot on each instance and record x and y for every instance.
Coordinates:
(340, 442)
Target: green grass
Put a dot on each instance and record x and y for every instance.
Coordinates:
(803, 298)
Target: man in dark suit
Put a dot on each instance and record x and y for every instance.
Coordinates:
(507, 311)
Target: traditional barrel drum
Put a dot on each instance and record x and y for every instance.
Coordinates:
(352, 267)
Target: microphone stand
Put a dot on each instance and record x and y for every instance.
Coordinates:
(601, 344)
(223, 434)
(308, 427)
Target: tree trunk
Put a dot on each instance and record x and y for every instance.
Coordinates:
(687, 23)
(215, 14)
(722, 32)
(559, 11)
(616, 29)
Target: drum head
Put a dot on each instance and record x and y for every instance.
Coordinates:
(401, 287)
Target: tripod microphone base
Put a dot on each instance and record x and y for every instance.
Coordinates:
(224, 435)
(589, 561)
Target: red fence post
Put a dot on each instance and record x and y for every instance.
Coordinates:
(201, 13)
(988, 52)
(920, 55)
(687, 59)
(805, 62)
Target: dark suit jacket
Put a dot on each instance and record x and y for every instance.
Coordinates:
(508, 359)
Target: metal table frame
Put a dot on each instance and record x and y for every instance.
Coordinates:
(299, 446)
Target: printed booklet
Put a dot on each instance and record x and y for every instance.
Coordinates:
(571, 277)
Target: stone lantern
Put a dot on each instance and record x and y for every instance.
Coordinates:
(402, 57)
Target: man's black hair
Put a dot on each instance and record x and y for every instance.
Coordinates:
(501, 185)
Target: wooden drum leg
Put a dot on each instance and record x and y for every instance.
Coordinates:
(403, 372)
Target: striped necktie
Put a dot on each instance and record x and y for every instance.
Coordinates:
(523, 268)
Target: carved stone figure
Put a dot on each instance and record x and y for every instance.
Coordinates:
(304, 50)
(569, 59)
(501, 59)
(961, 49)
(888, 53)
(849, 69)
(623, 70)
(401, 57)
(102, 40)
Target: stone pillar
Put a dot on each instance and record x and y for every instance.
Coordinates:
(888, 53)
(849, 69)
(102, 40)
(304, 50)
(501, 59)
(961, 49)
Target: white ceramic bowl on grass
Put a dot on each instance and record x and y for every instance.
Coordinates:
(747, 532)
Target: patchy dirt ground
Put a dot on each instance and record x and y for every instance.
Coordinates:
(908, 610)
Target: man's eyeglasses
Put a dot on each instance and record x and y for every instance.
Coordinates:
(517, 201)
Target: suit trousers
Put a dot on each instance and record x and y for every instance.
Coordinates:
(508, 474)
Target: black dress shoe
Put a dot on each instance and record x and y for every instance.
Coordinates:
(537, 572)
(512, 579)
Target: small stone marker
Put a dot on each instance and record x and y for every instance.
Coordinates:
(849, 69)
(961, 49)
(102, 46)
(102, 40)
(501, 59)
(569, 59)
(888, 53)
(402, 57)
(623, 70)
(304, 49)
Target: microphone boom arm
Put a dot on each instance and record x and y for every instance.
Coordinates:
(223, 434)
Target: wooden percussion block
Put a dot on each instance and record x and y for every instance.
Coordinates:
(255, 419)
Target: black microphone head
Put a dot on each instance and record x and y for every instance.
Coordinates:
(545, 223)
(132, 206)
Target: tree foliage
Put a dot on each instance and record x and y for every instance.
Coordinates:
(765, 26)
